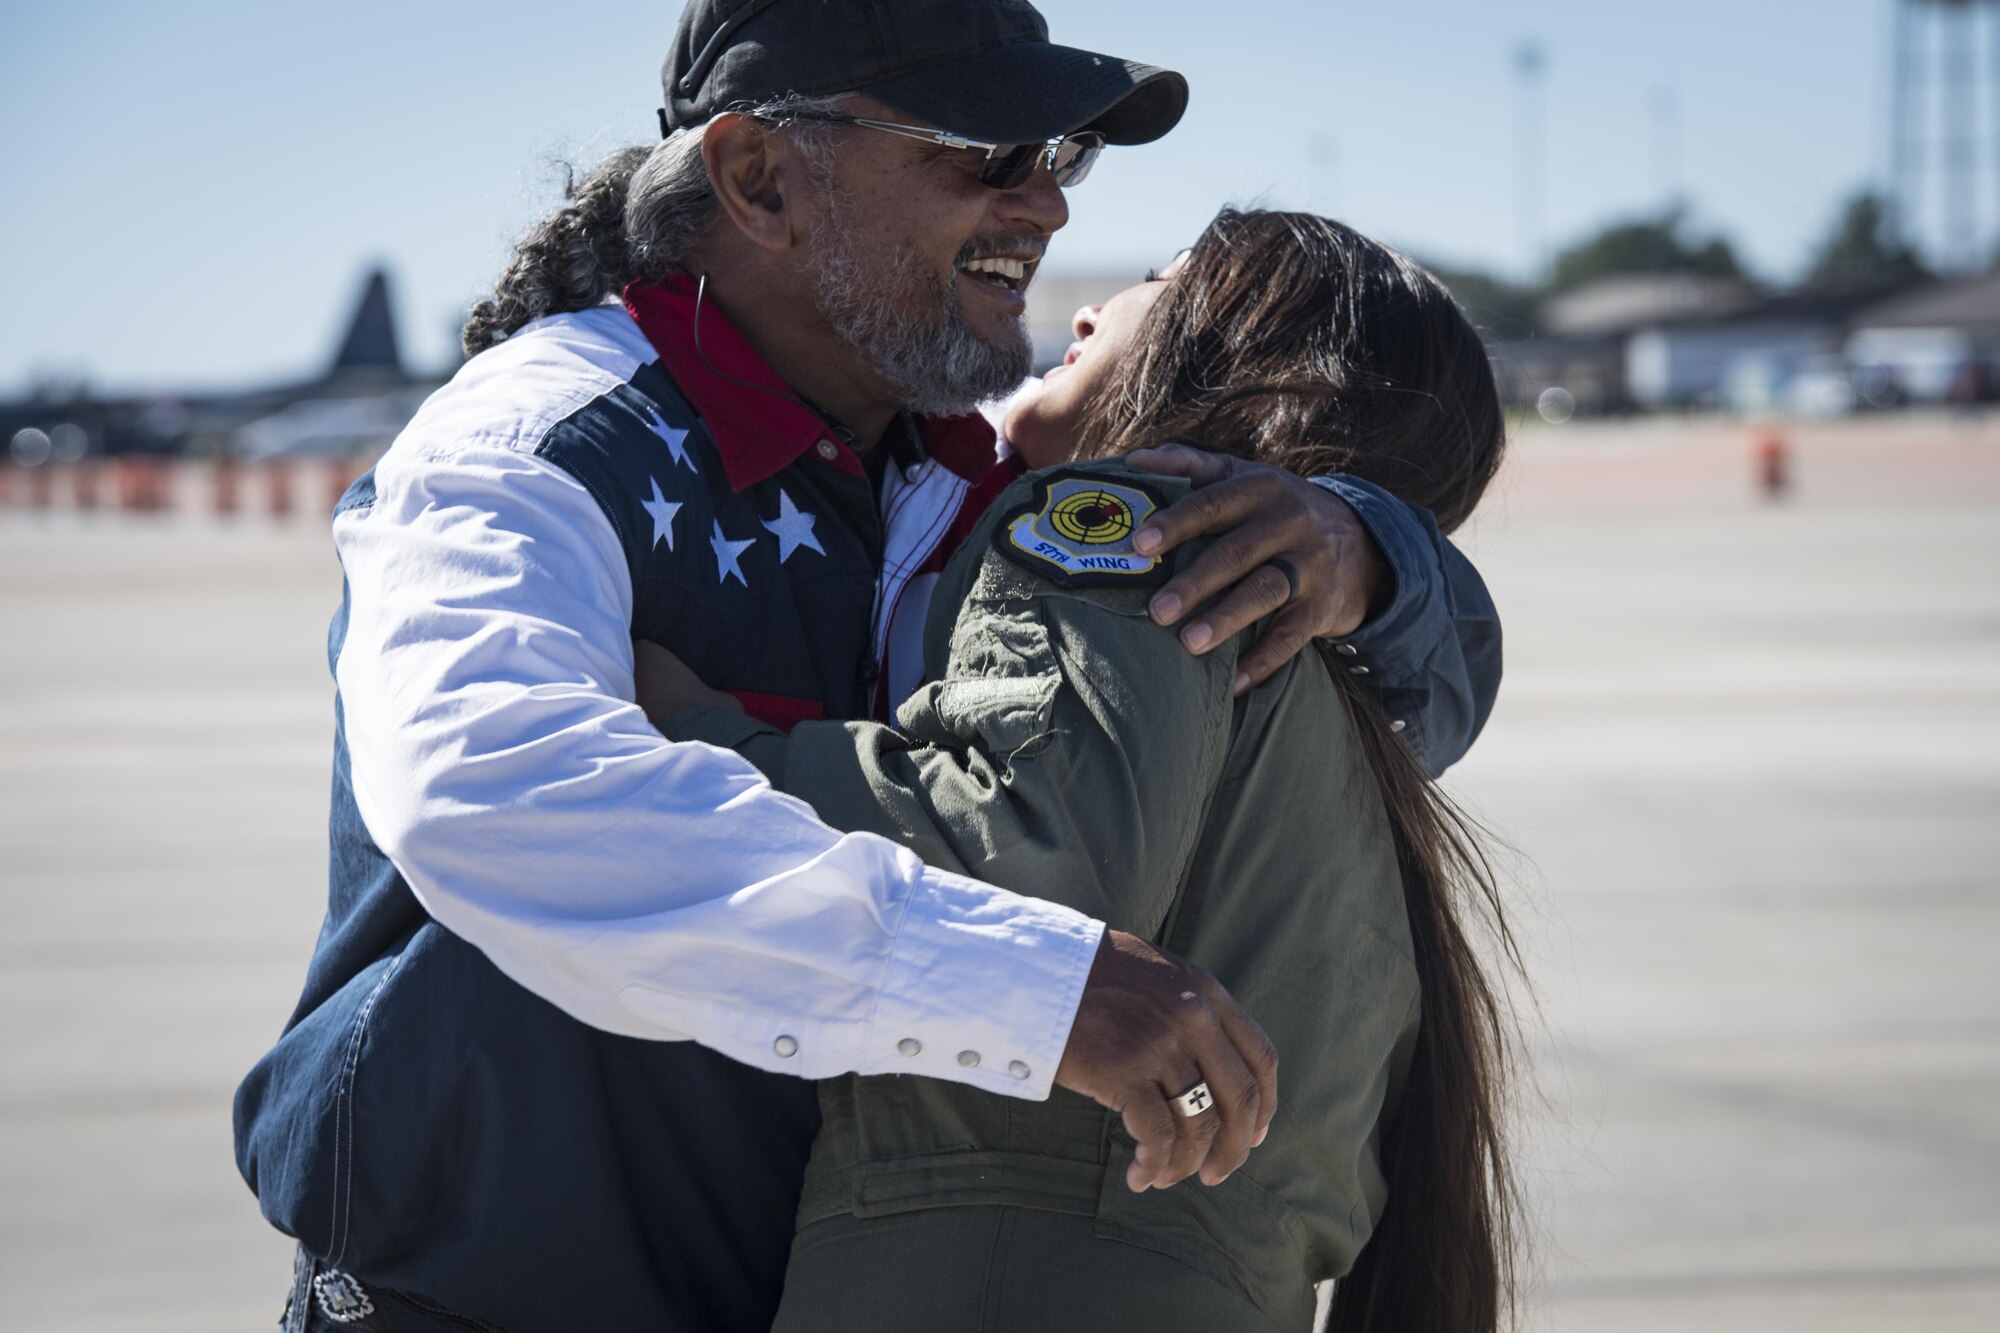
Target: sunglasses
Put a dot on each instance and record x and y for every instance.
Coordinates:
(1007, 165)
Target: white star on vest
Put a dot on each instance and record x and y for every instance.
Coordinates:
(794, 528)
(727, 554)
(676, 439)
(663, 510)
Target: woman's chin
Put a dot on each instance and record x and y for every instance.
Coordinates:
(1022, 419)
(1040, 428)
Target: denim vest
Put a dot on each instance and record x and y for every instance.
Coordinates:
(428, 1125)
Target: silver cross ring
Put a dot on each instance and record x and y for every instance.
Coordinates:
(1194, 1101)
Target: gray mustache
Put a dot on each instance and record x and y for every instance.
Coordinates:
(1031, 248)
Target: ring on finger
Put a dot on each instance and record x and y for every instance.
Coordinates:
(1291, 573)
(1194, 1101)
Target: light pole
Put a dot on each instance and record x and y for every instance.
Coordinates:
(1666, 108)
(1323, 153)
(1961, 131)
(1905, 146)
(1530, 157)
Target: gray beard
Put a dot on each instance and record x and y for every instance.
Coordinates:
(938, 366)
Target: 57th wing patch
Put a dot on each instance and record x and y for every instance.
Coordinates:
(1078, 531)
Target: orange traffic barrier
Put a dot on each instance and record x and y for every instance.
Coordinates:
(1774, 464)
(140, 482)
(278, 487)
(340, 474)
(83, 484)
(127, 486)
(225, 485)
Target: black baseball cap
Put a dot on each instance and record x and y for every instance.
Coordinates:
(984, 69)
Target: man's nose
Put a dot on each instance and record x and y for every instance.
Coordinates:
(1084, 322)
(1036, 203)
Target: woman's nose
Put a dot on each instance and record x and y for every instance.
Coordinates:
(1084, 322)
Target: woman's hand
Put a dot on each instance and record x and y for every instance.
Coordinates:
(1263, 514)
(666, 686)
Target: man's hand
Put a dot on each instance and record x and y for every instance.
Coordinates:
(666, 685)
(1262, 513)
(1149, 1028)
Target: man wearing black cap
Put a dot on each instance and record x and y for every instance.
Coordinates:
(975, 66)
(486, 1110)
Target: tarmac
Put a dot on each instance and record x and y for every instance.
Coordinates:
(1746, 761)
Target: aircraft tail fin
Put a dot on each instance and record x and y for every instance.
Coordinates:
(370, 342)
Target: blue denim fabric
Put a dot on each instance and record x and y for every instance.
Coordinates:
(1434, 651)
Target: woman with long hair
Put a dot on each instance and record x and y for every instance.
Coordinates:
(1285, 839)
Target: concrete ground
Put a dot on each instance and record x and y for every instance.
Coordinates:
(1748, 759)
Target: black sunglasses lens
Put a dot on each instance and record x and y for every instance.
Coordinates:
(1010, 165)
(1074, 157)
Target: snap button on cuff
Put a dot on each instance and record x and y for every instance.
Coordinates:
(910, 1046)
(786, 1046)
(829, 450)
(970, 1059)
(1019, 1069)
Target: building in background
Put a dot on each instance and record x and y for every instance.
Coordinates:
(1688, 342)
(1940, 343)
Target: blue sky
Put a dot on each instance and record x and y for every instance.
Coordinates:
(193, 189)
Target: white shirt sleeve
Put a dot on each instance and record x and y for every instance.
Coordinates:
(652, 889)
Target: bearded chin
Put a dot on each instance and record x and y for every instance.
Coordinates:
(912, 331)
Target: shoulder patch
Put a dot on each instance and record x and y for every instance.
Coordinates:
(1077, 531)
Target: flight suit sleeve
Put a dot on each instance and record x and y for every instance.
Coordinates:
(1069, 750)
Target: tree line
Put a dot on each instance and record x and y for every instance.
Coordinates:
(1860, 248)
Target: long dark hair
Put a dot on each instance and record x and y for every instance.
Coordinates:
(1296, 341)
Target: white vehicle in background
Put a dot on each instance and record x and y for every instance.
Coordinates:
(1823, 387)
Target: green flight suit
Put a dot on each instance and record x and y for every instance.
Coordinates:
(1068, 748)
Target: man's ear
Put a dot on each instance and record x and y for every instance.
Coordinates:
(748, 167)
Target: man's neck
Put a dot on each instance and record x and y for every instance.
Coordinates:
(824, 369)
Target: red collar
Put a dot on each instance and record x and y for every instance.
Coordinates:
(761, 430)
